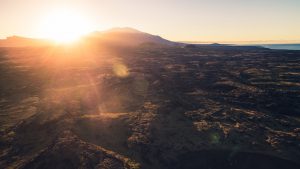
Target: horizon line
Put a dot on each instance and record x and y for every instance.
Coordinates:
(181, 41)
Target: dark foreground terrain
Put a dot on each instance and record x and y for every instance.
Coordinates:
(149, 107)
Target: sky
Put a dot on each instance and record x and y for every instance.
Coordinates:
(177, 20)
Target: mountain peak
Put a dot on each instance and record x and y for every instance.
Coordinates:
(123, 30)
(126, 36)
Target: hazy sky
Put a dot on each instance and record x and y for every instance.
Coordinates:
(179, 20)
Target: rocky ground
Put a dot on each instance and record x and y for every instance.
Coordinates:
(149, 107)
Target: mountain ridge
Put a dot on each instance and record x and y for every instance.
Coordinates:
(123, 36)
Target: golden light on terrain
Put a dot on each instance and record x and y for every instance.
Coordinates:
(64, 26)
(120, 70)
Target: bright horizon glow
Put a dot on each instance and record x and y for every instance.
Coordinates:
(175, 20)
(63, 26)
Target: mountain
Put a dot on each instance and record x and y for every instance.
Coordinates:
(115, 36)
(128, 37)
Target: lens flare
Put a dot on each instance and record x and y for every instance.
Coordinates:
(120, 70)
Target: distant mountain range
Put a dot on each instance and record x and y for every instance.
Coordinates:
(18, 41)
(115, 36)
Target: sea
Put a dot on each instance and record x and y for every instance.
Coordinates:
(281, 46)
(290, 46)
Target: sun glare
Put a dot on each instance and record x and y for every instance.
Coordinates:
(64, 26)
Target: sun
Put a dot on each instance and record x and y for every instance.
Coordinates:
(64, 26)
